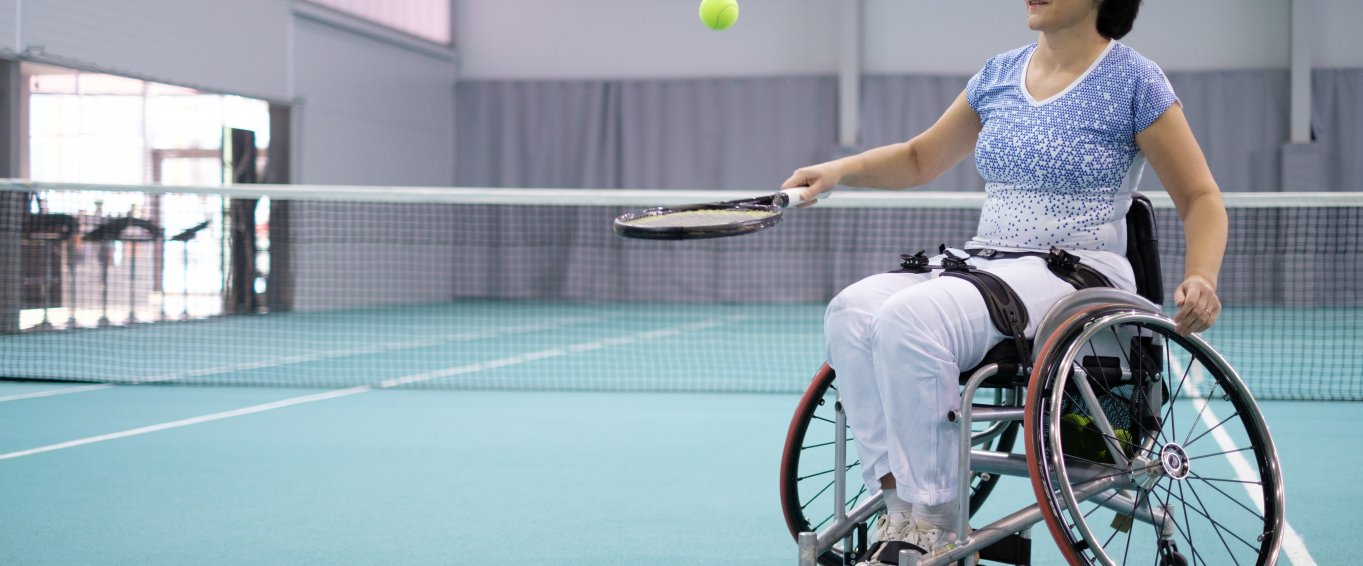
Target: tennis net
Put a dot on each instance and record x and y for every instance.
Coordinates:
(337, 286)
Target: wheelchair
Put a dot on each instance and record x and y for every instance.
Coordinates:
(1141, 446)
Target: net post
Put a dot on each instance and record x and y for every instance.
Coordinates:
(11, 204)
(11, 269)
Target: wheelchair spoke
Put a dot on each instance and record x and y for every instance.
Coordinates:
(1222, 453)
(1138, 398)
(1203, 410)
(1183, 380)
(815, 497)
(1178, 527)
(1099, 505)
(828, 471)
(1208, 481)
(852, 503)
(1187, 536)
(814, 475)
(1220, 528)
(1209, 430)
(1119, 472)
(1201, 510)
(1149, 508)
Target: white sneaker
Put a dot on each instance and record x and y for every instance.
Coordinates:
(906, 533)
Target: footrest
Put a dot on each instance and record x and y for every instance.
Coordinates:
(1014, 549)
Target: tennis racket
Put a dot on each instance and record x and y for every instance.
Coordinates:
(709, 220)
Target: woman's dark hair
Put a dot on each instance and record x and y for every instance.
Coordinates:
(1115, 17)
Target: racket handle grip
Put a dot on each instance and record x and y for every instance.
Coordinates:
(796, 196)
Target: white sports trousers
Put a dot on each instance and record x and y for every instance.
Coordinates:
(899, 342)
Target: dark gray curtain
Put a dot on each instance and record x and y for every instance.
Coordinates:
(693, 134)
(538, 134)
(896, 108)
(1240, 119)
(750, 133)
(1337, 121)
(723, 133)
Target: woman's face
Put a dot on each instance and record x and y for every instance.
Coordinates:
(1051, 15)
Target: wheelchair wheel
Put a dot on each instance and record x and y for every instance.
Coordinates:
(1145, 447)
(808, 466)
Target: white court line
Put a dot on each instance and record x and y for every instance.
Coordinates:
(555, 352)
(189, 421)
(55, 392)
(315, 356)
(1293, 545)
(414, 378)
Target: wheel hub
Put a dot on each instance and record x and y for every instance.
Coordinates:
(1175, 461)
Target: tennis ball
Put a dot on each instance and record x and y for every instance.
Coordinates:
(718, 14)
(1072, 438)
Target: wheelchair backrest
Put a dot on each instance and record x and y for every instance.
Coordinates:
(1142, 249)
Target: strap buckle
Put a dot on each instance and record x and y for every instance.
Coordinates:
(1062, 260)
(916, 263)
(953, 262)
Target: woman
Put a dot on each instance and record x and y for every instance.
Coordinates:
(1061, 130)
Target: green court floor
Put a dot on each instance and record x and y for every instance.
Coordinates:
(492, 432)
(184, 475)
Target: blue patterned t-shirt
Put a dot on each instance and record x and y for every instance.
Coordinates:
(1060, 171)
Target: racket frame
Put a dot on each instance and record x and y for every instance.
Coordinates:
(773, 205)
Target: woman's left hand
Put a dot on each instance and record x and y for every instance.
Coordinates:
(1198, 305)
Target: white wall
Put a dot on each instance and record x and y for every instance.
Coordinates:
(557, 39)
(371, 112)
(908, 36)
(1338, 43)
(369, 109)
(232, 46)
(549, 39)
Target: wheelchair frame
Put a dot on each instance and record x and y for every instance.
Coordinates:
(1083, 315)
(1059, 377)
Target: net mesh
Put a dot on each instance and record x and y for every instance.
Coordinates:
(302, 286)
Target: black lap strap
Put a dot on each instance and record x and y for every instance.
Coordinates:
(1065, 265)
(1069, 269)
(1006, 310)
(887, 551)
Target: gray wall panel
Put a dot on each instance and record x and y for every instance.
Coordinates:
(371, 113)
(238, 47)
(9, 18)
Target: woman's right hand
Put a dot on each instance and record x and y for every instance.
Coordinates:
(815, 180)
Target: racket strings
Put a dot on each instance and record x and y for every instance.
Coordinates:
(700, 218)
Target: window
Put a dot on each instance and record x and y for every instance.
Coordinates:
(84, 127)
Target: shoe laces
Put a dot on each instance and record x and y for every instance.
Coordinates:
(914, 531)
(906, 528)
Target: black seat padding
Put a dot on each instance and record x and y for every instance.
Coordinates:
(1142, 248)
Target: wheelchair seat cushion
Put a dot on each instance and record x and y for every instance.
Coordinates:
(1005, 354)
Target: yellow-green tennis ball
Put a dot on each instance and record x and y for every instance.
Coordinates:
(718, 14)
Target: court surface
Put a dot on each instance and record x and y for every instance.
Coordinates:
(536, 463)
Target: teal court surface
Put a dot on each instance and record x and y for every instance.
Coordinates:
(523, 433)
